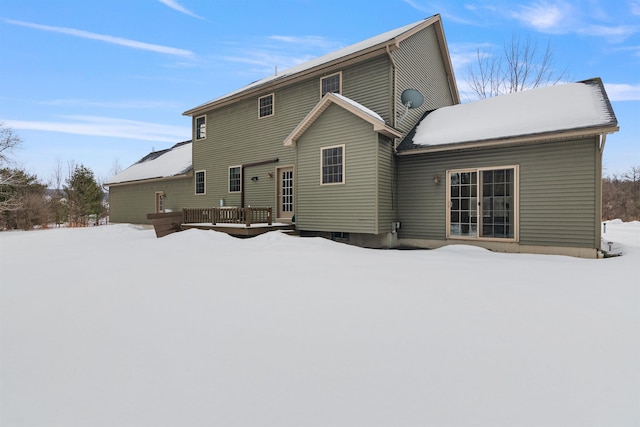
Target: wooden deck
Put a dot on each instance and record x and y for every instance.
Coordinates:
(240, 222)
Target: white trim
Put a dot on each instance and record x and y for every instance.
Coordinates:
(339, 73)
(277, 187)
(344, 163)
(273, 105)
(516, 201)
(159, 201)
(229, 179)
(197, 129)
(195, 182)
(331, 98)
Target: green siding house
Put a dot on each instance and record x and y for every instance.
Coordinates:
(333, 146)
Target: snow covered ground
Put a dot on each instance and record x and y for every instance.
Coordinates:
(109, 326)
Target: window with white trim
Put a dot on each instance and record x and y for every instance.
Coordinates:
(235, 179)
(332, 165)
(483, 203)
(200, 182)
(332, 83)
(265, 106)
(201, 127)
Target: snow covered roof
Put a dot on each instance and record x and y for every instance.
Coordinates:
(552, 109)
(348, 104)
(172, 162)
(396, 36)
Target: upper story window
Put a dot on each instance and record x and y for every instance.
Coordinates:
(235, 179)
(332, 83)
(332, 159)
(200, 182)
(265, 106)
(201, 127)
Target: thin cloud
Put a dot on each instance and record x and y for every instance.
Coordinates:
(176, 6)
(132, 104)
(544, 16)
(442, 9)
(635, 7)
(317, 41)
(623, 91)
(106, 127)
(106, 38)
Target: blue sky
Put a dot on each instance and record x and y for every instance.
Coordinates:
(95, 82)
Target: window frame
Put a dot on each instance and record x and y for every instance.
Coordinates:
(200, 135)
(339, 74)
(159, 201)
(239, 167)
(344, 163)
(273, 105)
(479, 204)
(204, 182)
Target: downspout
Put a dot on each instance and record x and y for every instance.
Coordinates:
(248, 165)
(598, 236)
(394, 144)
(394, 89)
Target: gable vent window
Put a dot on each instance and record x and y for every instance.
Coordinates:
(201, 127)
(332, 83)
(265, 106)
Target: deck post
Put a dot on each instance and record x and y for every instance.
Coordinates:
(247, 216)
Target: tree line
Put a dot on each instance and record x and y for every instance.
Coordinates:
(621, 196)
(25, 202)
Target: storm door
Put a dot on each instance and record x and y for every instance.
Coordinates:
(285, 193)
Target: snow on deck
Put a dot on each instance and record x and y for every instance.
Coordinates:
(548, 109)
(175, 161)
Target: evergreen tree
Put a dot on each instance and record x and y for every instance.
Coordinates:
(84, 196)
(22, 200)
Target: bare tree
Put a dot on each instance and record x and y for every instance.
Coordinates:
(9, 141)
(523, 65)
(116, 168)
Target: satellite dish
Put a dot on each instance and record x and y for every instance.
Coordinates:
(410, 98)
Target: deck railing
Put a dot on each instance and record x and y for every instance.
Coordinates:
(224, 215)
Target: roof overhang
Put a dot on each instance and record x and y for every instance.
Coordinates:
(379, 126)
(187, 174)
(330, 66)
(514, 140)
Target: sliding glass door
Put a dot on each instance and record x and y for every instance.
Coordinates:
(482, 203)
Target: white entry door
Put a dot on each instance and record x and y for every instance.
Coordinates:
(285, 193)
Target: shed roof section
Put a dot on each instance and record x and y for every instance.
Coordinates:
(378, 42)
(581, 106)
(348, 104)
(173, 162)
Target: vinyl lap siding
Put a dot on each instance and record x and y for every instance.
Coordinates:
(235, 134)
(420, 66)
(349, 207)
(130, 203)
(369, 85)
(558, 191)
(386, 184)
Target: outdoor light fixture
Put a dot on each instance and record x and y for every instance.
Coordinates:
(270, 175)
(436, 179)
(254, 178)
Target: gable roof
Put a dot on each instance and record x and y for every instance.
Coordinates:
(348, 104)
(572, 109)
(170, 163)
(359, 51)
